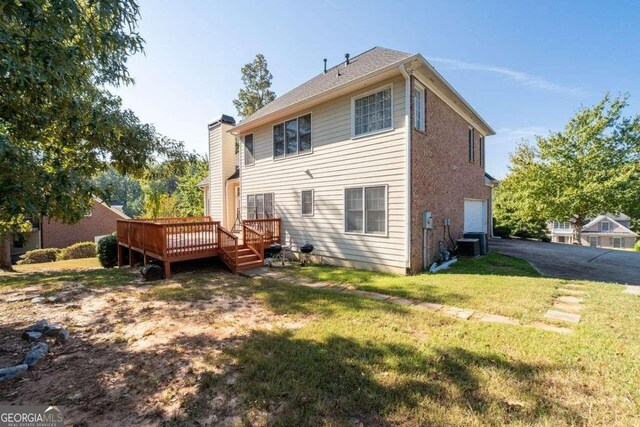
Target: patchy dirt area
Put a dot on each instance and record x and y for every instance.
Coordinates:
(137, 353)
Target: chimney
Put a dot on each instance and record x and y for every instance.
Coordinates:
(346, 59)
(325, 65)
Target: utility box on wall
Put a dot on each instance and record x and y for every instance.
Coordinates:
(427, 220)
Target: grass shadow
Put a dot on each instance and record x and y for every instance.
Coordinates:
(284, 380)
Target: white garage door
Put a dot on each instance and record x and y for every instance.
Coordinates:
(475, 217)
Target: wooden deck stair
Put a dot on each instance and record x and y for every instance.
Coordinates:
(247, 259)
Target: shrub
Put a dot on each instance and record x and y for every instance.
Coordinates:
(636, 247)
(545, 238)
(78, 250)
(501, 231)
(523, 234)
(108, 251)
(39, 255)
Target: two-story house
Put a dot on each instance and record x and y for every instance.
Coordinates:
(604, 231)
(378, 162)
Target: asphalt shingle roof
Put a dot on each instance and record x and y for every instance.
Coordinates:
(359, 66)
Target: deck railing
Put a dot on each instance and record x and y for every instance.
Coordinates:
(228, 247)
(180, 239)
(254, 240)
(271, 228)
(168, 239)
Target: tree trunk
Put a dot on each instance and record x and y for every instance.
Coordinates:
(5, 252)
(577, 230)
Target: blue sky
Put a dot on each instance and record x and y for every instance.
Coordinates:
(526, 67)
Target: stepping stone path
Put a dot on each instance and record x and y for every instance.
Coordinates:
(572, 292)
(451, 311)
(633, 290)
(551, 328)
(569, 300)
(496, 318)
(561, 315)
(566, 306)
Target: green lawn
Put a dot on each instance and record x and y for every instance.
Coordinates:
(356, 361)
(495, 283)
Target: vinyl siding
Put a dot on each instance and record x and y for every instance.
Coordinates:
(336, 162)
(221, 167)
(215, 168)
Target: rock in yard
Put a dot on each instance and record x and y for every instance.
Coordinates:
(63, 336)
(31, 336)
(152, 272)
(36, 353)
(52, 330)
(39, 326)
(57, 331)
(12, 371)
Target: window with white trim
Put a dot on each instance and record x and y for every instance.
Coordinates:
(562, 225)
(366, 210)
(306, 198)
(617, 242)
(249, 158)
(372, 112)
(482, 151)
(260, 206)
(605, 226)
(292, 137)
(418, 107)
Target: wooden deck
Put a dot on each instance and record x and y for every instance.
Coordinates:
(180, 239)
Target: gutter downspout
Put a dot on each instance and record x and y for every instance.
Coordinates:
(407, 125)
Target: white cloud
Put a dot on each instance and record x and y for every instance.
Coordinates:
(518, 76)
(511, 136)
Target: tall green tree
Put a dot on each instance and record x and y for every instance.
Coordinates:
(189, 200)
(256, 92)
(123, 189)
(590, 167)
(59, 126)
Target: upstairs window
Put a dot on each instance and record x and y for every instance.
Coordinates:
(562, 225)
(372, 113)
(366, 210)
(418, 107)
(307, 202)
(292, 137)
(472, 147)
(482, 151)
(605, 226)
(249, 158)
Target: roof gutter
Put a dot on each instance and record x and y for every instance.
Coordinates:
(406, 72)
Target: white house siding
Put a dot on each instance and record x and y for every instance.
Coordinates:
(221, 167)
(336, 162)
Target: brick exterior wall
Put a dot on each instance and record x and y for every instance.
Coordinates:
(58, 235)
(441, 175)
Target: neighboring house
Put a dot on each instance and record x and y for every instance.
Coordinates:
(604, 231)
(49, 233)
(355, 161)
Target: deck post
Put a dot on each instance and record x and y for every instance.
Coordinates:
(167, 269)
(144, 246)
(120, 249)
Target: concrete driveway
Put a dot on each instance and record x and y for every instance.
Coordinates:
(574, 262)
